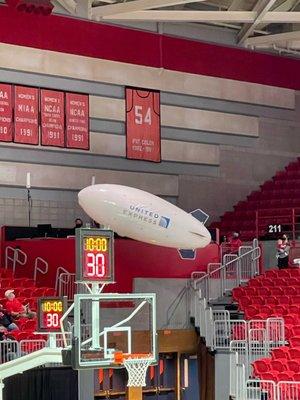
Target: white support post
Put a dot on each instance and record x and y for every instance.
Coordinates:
(1, 389)
(52, 341)
(95, 318)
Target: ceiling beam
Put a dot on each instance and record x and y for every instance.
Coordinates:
(84, 8)
(69, 5)
(206, 16)
(261, 7)
(185, 16)
(136, 5)
(271, 39)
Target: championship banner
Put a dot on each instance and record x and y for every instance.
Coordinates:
(26, 115)
(77, 121)
(143, 125)
(52, 118)
(6, 113)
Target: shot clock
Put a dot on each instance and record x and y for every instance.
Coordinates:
(94, 255)
(50, 311)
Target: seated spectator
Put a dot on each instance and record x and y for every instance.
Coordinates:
(10, 350)
(235, 242)
(15, 308)
(6, 320)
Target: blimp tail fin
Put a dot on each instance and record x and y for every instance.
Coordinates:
(187, 254)
(200, 215)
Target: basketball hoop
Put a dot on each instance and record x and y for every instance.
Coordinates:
(136, 366)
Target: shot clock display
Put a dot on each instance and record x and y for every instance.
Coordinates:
(94, 260)
(50, 311)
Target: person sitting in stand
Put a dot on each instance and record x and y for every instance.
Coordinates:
(282, 254)
(235, 242)
(15, 308)
(6, 320)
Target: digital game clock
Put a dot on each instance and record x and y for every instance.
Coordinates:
(50, 312)
(94, 255)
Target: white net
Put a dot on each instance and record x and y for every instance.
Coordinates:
(137, 370)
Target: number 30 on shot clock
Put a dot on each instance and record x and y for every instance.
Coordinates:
(94, 255)
(50, 312)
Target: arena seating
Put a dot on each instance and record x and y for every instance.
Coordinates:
(276, 198)
(27, 293)
(276, 293)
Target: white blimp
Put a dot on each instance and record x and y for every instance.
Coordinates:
(145, 217)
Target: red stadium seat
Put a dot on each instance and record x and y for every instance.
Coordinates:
(294, 366)
(280, 353)
(296, 330)
(285, 376)
(291, 319)
(237, 293)
(283, 300)
(278, 365)
(294, 354)
(260, 366)
(271, 301)
(295, 341)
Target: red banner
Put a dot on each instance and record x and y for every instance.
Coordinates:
(77, 119)
(143, 125)
(26, 115)
(6, 113)
(52, 118)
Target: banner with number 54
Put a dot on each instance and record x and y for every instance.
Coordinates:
(143, 125)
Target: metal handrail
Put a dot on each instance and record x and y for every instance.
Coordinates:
(15, 258)
(38, 269)
(236, 262)
(59, 272)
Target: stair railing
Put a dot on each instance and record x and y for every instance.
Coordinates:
(237, 268)
(13, 254)
(41, 266)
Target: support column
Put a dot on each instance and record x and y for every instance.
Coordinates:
(134, 393)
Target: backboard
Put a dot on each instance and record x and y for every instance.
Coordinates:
(110, 326)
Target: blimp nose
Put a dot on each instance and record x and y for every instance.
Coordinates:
(86, 198)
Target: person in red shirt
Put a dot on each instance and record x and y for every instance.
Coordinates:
(15, 308)
(235, 242)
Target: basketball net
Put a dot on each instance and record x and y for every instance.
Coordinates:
(136, 366)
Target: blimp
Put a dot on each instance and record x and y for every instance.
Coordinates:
(143, 216)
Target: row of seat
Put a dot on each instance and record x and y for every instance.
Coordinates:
(29, 291)
(280, 300)
(249, 291)
(261, 281)
(274, 197)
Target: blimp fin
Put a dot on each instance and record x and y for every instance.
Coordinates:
(200, 215)
(187, 254)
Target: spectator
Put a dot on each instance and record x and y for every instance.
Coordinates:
(235, 242)
(78, 223)
(6, 320)
(15, 308)
(10, 350)
(282, 253)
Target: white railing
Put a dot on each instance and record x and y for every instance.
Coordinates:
(11, 349)
(288, 390)
(41, 266)
(12, 258)
(65, 283)
(220, 278)
(259, 390)
(256, 389)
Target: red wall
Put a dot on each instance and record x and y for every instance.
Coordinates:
(143, 48)
(132, 259)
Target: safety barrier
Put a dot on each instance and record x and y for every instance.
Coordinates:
(221, 278)
(65, 284)
(14, 257)
(11, 349)
(254, 389)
